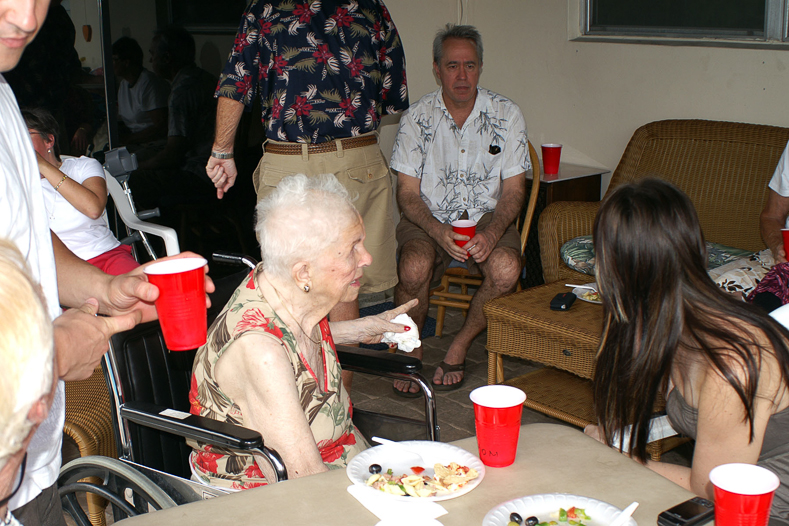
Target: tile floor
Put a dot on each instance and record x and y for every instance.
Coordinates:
(455, 410)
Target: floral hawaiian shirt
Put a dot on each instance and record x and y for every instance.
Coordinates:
(327, 408)
(323, 69)
(461, 169)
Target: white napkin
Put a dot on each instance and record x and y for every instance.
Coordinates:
(392, 511)
(406, 341)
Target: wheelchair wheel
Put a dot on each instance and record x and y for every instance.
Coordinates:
(112, 480)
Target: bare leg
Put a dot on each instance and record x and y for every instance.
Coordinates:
(414, 271)
(500, 271)
(343, 312)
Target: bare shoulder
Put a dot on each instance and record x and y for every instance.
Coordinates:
(252, 356)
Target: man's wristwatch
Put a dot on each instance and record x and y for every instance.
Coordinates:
(222, 155)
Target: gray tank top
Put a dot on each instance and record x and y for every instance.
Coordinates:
(774, 455)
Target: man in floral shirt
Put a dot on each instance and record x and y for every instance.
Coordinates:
(461, 151)
(324, 72)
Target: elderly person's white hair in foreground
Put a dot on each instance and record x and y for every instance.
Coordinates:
(301, 218)
(26, 355)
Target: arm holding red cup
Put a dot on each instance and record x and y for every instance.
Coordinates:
(771, 221)
(410, 200)
(81, 338)
(513, 192)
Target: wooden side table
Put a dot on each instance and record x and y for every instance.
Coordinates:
(572, 183)
(566, 342)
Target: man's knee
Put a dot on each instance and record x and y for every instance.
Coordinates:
(415, 264)
(503, 268)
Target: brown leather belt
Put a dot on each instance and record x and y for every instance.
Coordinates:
(324, 147)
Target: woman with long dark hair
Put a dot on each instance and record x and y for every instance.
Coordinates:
(722, 365)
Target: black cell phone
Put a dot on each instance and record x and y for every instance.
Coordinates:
(692, 512)
(563, 301)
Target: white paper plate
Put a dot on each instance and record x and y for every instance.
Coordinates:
(391, 457)
(546, 507)
(578, 291)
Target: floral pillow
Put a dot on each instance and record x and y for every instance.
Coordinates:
(578, 254)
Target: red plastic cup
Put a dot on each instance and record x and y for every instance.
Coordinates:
(743, 494)
(551, 153)
(465, 227)
(497, 418)
(785, 232)
(181, 302)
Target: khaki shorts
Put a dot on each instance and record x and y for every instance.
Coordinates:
(408, 231)
(365, 173)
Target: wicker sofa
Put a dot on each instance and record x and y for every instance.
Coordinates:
(724, 168)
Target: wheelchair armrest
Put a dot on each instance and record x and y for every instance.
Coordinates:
(202, 429)
(195, 427)
(354, 357)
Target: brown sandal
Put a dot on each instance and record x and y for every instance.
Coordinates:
(450, 368)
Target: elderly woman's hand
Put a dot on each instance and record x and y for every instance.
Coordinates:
(370, 329)
(374, 327)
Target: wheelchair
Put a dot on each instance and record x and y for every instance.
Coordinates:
(149, 388)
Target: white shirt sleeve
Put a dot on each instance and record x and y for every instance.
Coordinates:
(407, 156)
(780, 181)
(516, 148)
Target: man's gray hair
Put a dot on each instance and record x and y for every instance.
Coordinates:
(456, 31)
(300, 219)
(27, 352)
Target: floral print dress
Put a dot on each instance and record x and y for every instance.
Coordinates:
(326, 407)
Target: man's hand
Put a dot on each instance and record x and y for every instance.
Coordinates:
(223, 174)
(82, 338)
(481, 245)
(131, 291)
(445, 237)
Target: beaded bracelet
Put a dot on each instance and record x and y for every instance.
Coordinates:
(60, 183)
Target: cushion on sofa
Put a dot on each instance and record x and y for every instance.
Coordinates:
(578, 254)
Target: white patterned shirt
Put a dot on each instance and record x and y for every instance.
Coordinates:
(461, 169)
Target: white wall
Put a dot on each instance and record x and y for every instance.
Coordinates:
(592, 96)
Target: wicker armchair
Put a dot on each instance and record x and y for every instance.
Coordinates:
(724, 168)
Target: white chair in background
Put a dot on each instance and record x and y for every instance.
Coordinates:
(123, 205)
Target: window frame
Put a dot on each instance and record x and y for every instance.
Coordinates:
(776, 30)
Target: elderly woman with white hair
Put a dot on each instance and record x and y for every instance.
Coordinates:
(27, 379)
(269, 363)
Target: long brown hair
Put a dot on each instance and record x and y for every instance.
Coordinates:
(657, 296)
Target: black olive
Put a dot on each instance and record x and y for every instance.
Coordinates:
(514, 517)
(375, 469)
(532, 521)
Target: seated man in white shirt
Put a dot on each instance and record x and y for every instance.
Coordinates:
(142, 100)
(460, 150)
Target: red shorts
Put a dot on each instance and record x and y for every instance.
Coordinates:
(117, 261)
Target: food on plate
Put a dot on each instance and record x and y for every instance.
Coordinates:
(591, 295)
(375, 468)
(572, 517)
(447, 479)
